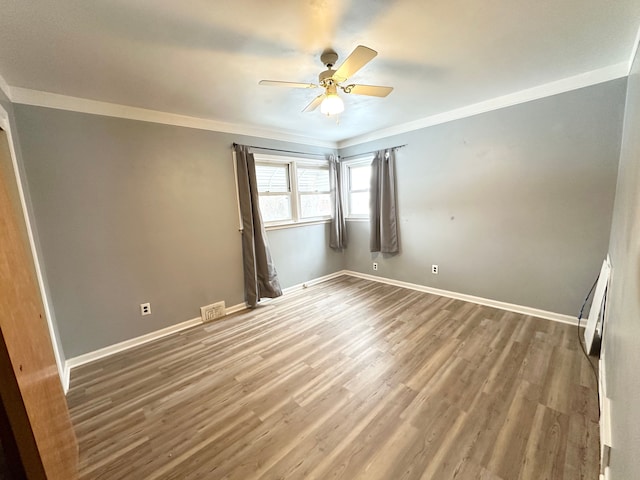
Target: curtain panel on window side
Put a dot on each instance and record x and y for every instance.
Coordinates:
(260, 276)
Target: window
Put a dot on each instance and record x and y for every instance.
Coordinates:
(357, 174)
(274, 189)
(292, 190)
(315, 191)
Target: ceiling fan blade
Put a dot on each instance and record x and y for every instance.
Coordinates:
(276, 83)
(354, 62)
(314, 104)
(370, 90)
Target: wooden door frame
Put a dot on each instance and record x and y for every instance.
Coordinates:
(63, 371)
(32, 394)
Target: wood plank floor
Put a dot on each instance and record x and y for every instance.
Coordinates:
(347, 379)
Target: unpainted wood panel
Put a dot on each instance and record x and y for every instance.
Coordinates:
(31, 389)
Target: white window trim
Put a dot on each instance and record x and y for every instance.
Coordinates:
(358, 161)
(293, 163)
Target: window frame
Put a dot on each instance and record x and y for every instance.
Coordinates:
(347, 165)
(288, 192)
(299, 165)
(293, 163)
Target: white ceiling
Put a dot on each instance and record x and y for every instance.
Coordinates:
(204, 58)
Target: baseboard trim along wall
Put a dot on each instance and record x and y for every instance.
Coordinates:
(149, 337)
(301, 286)
(534, 312)
(132, 343)
(605, 415)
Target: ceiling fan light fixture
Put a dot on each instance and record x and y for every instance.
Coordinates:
(332, 105)
(329, 101)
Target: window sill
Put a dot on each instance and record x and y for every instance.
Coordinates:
(296, 224)
(357, 219)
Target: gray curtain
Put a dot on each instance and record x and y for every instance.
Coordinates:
(338, 235)
(260, 277)
(382, 203)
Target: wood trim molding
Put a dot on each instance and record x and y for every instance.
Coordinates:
(149, 337)
(510, 307)
(134, 342)
(83, 105)
(32, 395)
(16, 429)
(5, 124)
(38, 98)
(575, 82)
(301, 286)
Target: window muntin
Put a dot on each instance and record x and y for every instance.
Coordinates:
(274, 191)
(293, 190)
(314, 188)
(273, 178)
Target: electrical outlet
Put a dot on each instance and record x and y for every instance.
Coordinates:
(145, 309)
(375, 266)
(213, 311)
(434, 269)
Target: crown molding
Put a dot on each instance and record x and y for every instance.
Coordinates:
(83, 105)
(38, 98)
(582, 80)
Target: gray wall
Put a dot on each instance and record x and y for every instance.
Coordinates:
(514, 205)
(131, 212)
(55, 332)
(622, 329)
(301, 253)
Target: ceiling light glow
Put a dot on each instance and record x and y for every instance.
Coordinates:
(332, 105)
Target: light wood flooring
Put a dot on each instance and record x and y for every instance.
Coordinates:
(347, 379)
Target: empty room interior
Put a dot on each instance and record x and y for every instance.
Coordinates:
(320, 239)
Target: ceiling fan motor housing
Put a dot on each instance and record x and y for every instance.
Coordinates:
(326, 77)
(329, 58)
(330, 80)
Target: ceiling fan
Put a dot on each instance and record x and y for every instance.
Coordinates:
(329, 101)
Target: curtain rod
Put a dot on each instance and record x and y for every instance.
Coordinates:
(323, 155)
(369, 153)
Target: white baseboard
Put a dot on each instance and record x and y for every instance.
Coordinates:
(314, 281)
(235, 308)
(149, 337)
(66, 376)
(134, 342)
(605, 415)
(534, 312)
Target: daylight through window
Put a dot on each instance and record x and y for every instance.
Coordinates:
(292, 190)
(358, 176)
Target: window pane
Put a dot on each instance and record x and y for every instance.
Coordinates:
(272, 178)
(313, 179)
(275, 207)
(360, 177)
(359, 203)
(315, 205)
